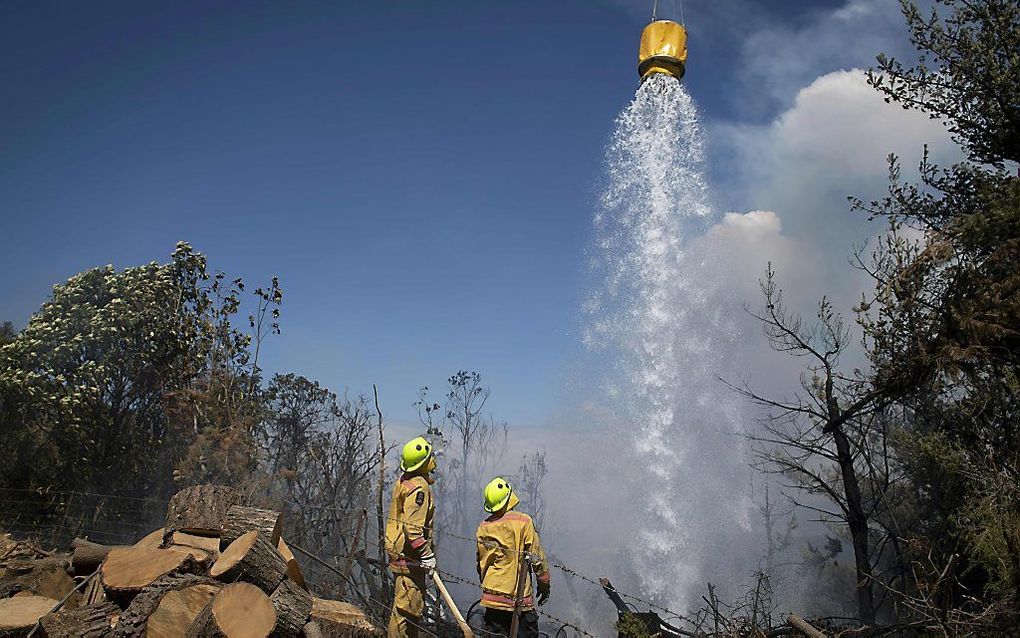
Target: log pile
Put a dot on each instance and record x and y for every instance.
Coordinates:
(217, 569)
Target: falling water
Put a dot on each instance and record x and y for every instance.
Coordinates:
(659, 316)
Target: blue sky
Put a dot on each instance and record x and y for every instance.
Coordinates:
(420, 175)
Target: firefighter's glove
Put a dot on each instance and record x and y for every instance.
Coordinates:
(543, 591)
(428, 562)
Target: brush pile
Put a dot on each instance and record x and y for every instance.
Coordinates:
(217, 569)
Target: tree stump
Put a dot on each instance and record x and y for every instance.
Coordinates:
(19, 614)
(86, 555)
(87, 621)
(128, 571)
(293, 605)
(241, 520)
(239, 610)
(162, 609)
(200, 509)
(342, 620)
(252, 559)
(293, 569)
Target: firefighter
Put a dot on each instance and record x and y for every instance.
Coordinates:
(508, 550)
(409, 537)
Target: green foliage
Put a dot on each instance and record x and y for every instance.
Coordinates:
(122, 374)
(943, 325)
(967, 73)
(632, 626)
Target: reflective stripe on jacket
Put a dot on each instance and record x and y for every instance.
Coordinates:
(409, 526)
(500, 539)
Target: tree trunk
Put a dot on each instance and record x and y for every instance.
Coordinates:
(87, 621)
(19, 614)
(857, 521)
(241, 520)
(379, 511)
(128, 571)
(342, 620)
(252, 559)
(200, 509)
(137, 618)
(239, 610)
(293, 606)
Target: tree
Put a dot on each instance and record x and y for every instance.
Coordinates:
(318, 454)
(828, 439)
(7, 333)
(943, 323)
(120, 373)
(967, 74)
(528, 483)
(476, 443)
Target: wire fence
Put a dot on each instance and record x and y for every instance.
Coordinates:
(54, 518)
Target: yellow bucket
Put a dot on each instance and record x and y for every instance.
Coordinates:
(663, 49)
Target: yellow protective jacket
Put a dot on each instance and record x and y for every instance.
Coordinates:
(409, 526)
(500, 540)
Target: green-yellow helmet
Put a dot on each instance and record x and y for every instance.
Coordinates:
(415, 454)
(497, 494)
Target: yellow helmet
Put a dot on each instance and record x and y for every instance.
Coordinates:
(497, 494)
(415, 454)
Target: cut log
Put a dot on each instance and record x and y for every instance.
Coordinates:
(18, 615)
(239, 610)
(47, 577)
(127, 571)
(178, 610)
(200, 509)
(338, 619)
(252, 559)
(198, 555)
(210, 544)
(163, 606)
(293, 606)
(293, 569)
(803, 626)
(241, 520)
(86, 555)
(311, 630)
(93, 592)
(152, 539)
(87, 621)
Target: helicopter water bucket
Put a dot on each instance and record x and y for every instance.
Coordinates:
(663, 49)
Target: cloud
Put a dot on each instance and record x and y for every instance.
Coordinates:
(831, 143)
(785, 55)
